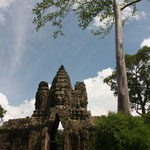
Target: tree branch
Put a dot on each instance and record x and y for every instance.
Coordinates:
(130, 3)
(137, 110)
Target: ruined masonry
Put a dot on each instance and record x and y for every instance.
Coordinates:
(60, 103)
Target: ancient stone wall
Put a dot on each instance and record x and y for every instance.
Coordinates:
(60, 103)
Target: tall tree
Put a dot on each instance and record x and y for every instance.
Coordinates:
(108, 12)
(138, 72)
(123, 94)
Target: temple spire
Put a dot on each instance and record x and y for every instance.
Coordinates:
(61, 87)
(61, 79)
(62, 67)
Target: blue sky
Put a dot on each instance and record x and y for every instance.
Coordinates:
(28, 57)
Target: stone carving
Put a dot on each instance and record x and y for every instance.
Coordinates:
(41, 96)
(60, 103)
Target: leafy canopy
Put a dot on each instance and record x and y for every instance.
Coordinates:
(138, 73)
(55, 11)
(121, 132)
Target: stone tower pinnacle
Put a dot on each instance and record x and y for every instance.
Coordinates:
(61, 88)
(61, 79)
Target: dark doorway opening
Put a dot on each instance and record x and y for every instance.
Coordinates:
(56, 135)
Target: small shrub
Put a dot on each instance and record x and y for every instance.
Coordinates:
(146, 118)
(119, 131)
(2, 113)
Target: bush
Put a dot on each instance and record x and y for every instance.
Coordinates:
(2, 113)
(121, 132)
(146, 118)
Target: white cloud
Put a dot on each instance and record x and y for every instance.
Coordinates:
(127, 13)
(20, 111)
(145, 42)
(100, 97)
(5, 3)
(21, 21)
(139, 15)
(103, 24)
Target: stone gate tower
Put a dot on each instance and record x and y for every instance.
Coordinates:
(59, 103)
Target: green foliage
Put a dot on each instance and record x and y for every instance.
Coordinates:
(54, 11)
(121, 132)
(138, 73)
(2, 113)
(146, 118)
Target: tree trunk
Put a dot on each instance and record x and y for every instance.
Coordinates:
(123, 93)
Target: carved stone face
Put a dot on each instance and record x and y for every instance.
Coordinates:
(59, 97)
(83, 102)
